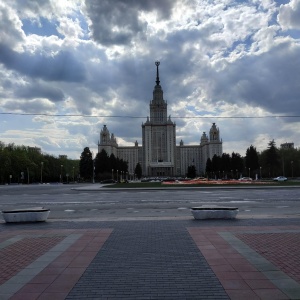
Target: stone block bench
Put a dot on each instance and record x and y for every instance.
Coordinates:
(214, 212)
(34, 214)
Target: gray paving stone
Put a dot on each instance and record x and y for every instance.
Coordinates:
(150, 260)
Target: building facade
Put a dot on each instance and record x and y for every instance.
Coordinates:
(287, 146)
(159, 156)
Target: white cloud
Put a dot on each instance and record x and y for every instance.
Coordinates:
(11, 34)
(289, 15)
(218, 58)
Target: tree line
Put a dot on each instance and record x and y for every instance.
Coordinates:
(23, 164)
(105, 166)
(269, 163)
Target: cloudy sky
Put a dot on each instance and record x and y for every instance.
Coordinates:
(69, 67)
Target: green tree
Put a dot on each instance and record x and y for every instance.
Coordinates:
(216, 165)
(86, 164)
(113, 162)
(226, 163)
(290, 162)
(237, 163)
(191, 171)
(272, 159)
(138, 170)
(208, 167)
(5, 165)
(27, 164)
(102, 165)
(251, 160)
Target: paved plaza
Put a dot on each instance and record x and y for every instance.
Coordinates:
(243, 258)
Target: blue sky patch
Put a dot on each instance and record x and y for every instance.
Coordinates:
(45, 28)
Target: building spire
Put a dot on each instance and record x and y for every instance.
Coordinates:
(157, 63)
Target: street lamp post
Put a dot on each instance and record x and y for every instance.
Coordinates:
(112, 174)
(93, 170)
(292, 164)
(73, 175)
(42, 163)
(61, 170)
(260, 172)
(117, 175)
(28, 175)
(249, 172)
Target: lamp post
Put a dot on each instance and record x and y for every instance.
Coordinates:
(42, 163)
(249, 172)
(260, 172)
(292, 164)
(117, 175)
(27, 175)
(73, 175)
(61, 170)
(93, 170)
(93, 167)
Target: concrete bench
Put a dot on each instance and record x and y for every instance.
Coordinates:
(34, 214)
(214, 212)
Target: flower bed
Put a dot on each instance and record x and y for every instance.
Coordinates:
(216, 182)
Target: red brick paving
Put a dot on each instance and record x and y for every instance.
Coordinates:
(59, 277)
(239, 278)
(15, 257)
(281, 249)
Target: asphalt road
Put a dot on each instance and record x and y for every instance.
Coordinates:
(93, 202)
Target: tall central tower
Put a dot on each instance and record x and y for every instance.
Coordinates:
(159, 136)
(158, 106)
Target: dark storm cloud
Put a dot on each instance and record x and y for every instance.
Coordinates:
(62, 67)
(117, 22)
(32, 106)
(39, 90)
(270, 80)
